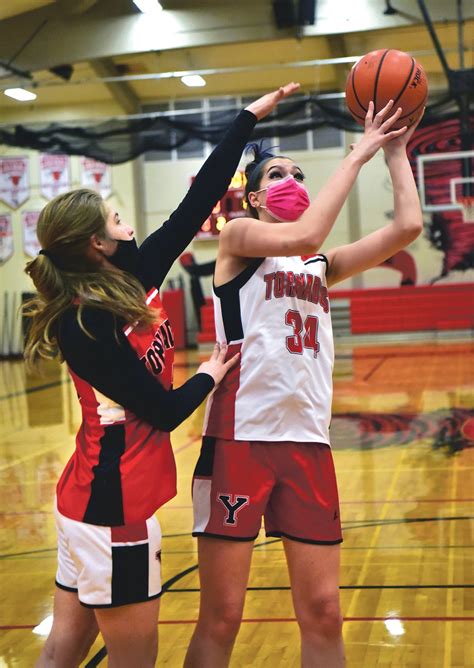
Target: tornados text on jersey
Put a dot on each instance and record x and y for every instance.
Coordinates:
(277, 314)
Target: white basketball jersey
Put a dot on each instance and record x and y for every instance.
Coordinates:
(276, 313)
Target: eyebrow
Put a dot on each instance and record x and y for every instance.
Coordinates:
(280, 166)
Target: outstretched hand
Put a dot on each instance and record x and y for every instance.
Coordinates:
(377, 131)
(216, 366)
(267, 103)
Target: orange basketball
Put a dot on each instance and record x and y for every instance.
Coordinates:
(383, 75)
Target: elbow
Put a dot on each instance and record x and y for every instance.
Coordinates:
(166, 425)
(308, 244)
(414, 230)
(162, 423)
(410, 229)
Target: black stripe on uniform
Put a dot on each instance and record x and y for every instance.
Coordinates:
(105, 505)
(205, 463)
(130, 566)
(319, 258)
(230, 302)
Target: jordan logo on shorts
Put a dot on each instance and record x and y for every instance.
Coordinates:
(233, 505)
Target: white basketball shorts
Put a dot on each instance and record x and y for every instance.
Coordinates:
(109, 566)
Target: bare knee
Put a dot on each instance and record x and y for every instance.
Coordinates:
(67, 648)
(222, 623)
(321, 615)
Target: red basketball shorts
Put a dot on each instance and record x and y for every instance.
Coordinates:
(292, 485)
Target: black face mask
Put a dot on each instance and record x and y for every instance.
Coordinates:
(126, 256)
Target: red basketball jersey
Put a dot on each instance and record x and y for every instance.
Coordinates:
(122, 469)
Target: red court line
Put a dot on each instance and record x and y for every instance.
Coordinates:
(361, 502)
(264, 620)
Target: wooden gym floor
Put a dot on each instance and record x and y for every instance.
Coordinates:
(403, 440)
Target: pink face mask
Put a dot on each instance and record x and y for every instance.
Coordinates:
(287, 199)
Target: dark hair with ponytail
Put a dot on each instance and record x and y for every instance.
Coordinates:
(254, 171)
(64, 274)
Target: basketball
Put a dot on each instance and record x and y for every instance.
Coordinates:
(383, 75)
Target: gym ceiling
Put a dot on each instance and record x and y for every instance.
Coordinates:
(87, 58)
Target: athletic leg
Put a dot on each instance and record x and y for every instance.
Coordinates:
(72, 634)
(224, 567)
(130, 634)
(314, 576)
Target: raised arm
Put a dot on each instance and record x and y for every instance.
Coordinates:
(164, 246)
(406, 226)
(247, 237)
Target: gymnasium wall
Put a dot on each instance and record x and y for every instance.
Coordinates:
(370, 205)
(13, 280)
(145, 193)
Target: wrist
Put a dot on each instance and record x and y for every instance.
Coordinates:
(355, 159)
(252, 111)
(395, 155)
(396, 161)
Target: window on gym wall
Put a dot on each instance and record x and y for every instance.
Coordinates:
(166, 133)
(220, 111)
(329, 137)
(298, 142)
(193, 148)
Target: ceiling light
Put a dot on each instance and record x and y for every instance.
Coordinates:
(148, 6)
(20, 94)
(193, 80)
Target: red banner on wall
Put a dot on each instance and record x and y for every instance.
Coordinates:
(96, 175)
(14, 181)
(6, 237)
(55, 176)
(29, 220)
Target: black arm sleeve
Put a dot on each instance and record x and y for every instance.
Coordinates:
(114, 369)
(163, 247)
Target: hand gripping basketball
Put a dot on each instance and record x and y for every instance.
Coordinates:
(383, 75)
(378, 131)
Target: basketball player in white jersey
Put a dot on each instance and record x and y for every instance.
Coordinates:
(266, 448)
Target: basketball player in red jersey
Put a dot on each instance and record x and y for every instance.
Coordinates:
(98, 305)
(266, 448)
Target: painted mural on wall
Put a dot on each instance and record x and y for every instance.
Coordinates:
(442, 182)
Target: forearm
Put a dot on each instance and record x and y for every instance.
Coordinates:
(164, 246)
(109, 364)
(408, 217)
(383, 243)
(317, 222)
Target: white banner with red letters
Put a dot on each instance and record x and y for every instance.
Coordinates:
(6, 237)
(31, 245)
(97, 176)
(55, 175)
(14, 180)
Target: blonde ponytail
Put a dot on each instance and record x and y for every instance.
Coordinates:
(64, 274)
